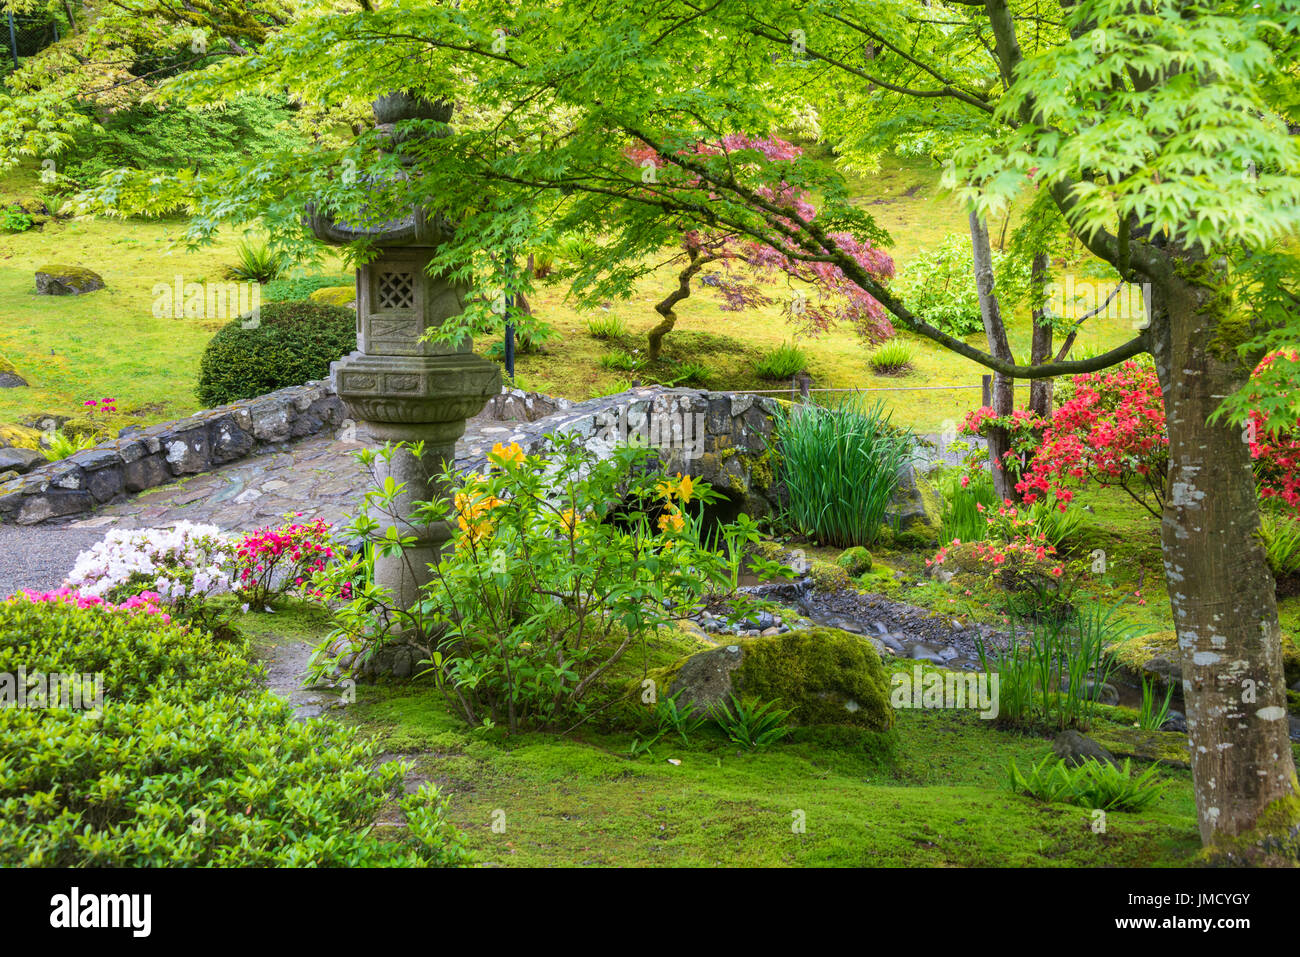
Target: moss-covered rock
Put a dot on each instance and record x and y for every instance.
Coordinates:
(825, 675)
(61, 280)
(827, 576)
(1133, 653)
(1169, 747)
(855, 561)
(19, 437)
(919, 535)
(335, 295)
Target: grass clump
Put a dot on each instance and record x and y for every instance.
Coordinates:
(892, 358)
(841, 466)
(783, 362)
(607, 328)
(1055, 677)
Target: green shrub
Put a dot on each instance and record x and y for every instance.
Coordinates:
(939, 286)
(293, 288)
(558, 567)
(187, 763)
(136, 653)
(14, 219)
(1093, 784)
(891, 358)
(334, 295)
(289, 344)
(783, 362)
(841, 467)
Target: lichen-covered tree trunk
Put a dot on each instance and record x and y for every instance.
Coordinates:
(1002, 398)
(667, 309)
(1040, 349)
(1220, 588)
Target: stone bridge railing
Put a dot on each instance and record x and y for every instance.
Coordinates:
(719, 437)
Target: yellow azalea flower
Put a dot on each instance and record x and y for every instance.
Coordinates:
(666, 490)
(569, 519)
(685, 487)
(505, 455)
(671, 521)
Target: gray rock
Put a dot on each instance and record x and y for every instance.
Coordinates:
(12, 380)
(704, 680)
(145, 473)
(105, 484)
(920, 651)
(1174, 721)
(1076, 749)
(46, 422)
(20, 460)
(1164, 669)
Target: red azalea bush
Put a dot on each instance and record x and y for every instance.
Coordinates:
(1017, 558)
(1024, 429)
(271, 561)
(1276, 447)
(1110, 430)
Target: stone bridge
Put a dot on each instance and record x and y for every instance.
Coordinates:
(244, 466)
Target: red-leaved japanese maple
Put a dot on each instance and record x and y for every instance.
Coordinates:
(831, 297)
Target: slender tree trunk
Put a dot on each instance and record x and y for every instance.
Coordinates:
(667, 308)
(1040, 390)
(1222, 593)
(1003, 398)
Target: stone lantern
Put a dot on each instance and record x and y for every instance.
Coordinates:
(398, 387)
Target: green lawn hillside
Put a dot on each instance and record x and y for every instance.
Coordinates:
(71, 348)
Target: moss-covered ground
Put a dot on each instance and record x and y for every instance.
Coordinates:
(823, 798)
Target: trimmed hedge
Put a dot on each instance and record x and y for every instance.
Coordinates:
(291, 343)
(188, 762)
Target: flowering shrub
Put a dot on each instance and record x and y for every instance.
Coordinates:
(837, 299)
(146, 602)
(272, 561)
(1018, 557)
(556, 568)
(1024, 431)
(189, 762)
(185, 566)
(1110, 430)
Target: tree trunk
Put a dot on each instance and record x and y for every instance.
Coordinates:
(667, 308)
(1040, 390)
(1220, 588)
(1003, 399)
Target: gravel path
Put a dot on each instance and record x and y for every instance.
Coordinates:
(39, 556)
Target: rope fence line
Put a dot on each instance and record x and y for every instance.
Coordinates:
(905, 388)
